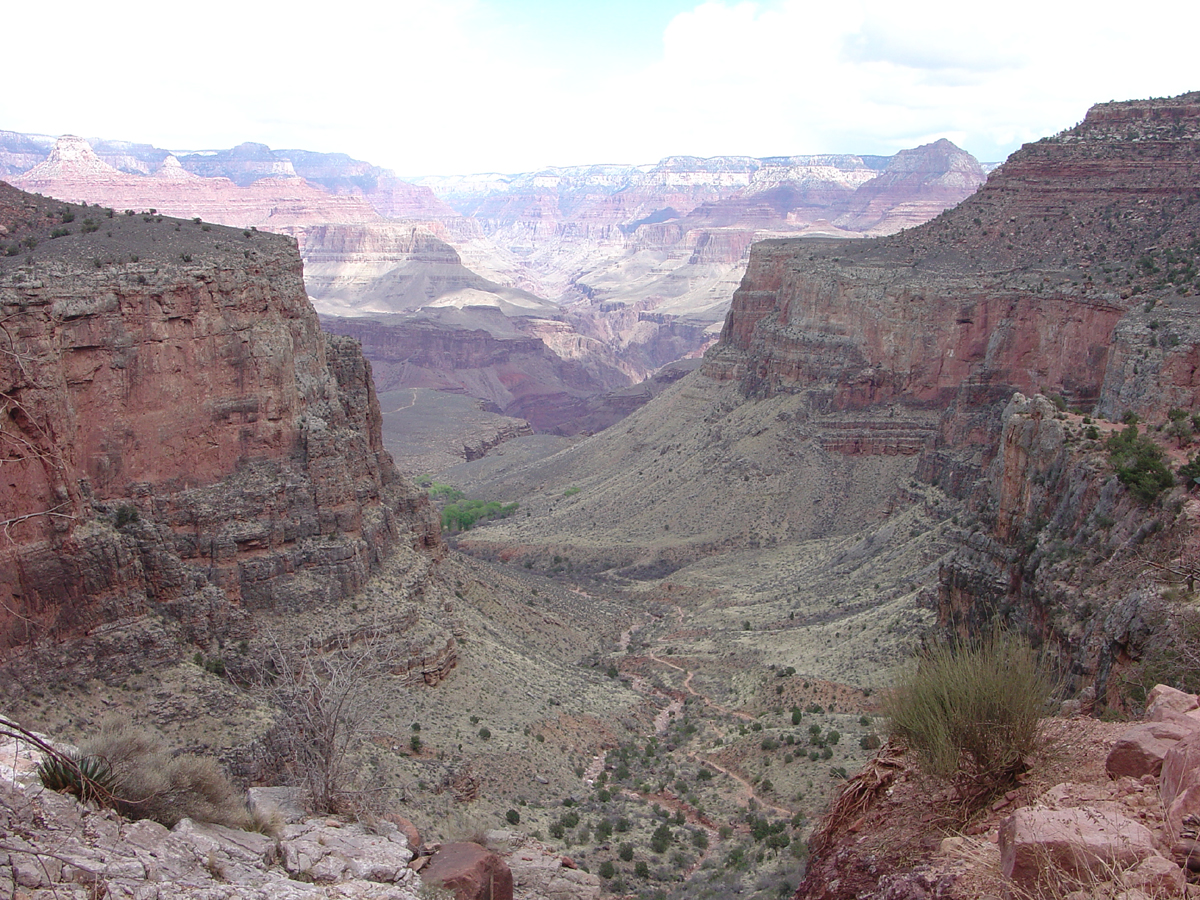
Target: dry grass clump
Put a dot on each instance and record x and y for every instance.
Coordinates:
(971, 710)
(148, 782)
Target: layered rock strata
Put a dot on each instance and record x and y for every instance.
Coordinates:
(180, 438)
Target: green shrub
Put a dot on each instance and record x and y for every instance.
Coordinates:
(512, 817)
(626, 852)
(461, 515)
(607, 869)
(1139, 464)
(971, 710)
(661, 839)
(1189, 473)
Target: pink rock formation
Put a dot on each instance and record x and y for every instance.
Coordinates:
(1180, 782)
(1038, 845)
(1141, 750)
(74, 172)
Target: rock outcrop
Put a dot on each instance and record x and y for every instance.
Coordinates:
(472, 872)
(55, 846)
(180, 439)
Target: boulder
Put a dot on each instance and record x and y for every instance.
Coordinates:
(1184, 720)
(1161, 696)
(1140, 750)
(413, 835)
(1179, 785)
(327, 852)
(1041, 846)
(471, 871)
(1157, 876)
(538, 873)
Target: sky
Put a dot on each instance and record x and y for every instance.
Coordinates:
(429, 87)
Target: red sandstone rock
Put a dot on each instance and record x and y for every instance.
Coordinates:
(1141, 749)
(408, 829)
(1038, 845)
(1163, 697)
(1157, 876)
(1179, 785)
(472, 872)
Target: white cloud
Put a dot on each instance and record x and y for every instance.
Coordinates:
(455, 86)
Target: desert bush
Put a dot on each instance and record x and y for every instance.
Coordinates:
(1189, 472)
(150, 783)
(1170, 654)
(1139, 463)
(461, 515)
(971, 710)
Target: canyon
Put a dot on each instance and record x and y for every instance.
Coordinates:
(687, 622)
(615, 270)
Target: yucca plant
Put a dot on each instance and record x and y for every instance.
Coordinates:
(87, 777)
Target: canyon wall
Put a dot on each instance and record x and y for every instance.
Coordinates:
(1072, 273)
(180, 439)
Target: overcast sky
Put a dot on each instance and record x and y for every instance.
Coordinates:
(457, 86)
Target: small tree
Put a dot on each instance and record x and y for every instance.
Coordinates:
(322, 692)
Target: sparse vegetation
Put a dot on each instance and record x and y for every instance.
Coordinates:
(461, 515)
(133, 771)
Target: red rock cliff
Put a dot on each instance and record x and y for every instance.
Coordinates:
(179, 436)
(1020, 287)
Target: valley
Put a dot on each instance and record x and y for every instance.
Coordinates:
(669, 657)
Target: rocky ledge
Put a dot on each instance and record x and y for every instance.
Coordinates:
(53, 846)
(1105, 810)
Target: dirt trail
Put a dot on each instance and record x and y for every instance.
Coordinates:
(747, 787)
(687, 686)
(412, 401)
(674, 706)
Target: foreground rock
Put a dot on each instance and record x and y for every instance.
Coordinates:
(471, 871)
(54, 848)
(1141, 750)
(539, 873)
(1084, 843)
